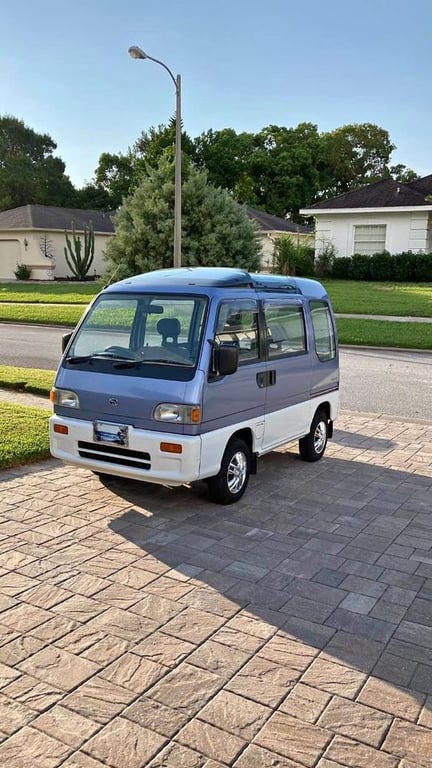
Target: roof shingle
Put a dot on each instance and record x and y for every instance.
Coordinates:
(382, 194)
(54, 217)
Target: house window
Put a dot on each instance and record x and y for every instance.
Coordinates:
(369, 239)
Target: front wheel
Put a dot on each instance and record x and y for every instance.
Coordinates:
(232, 479)
(313, 445)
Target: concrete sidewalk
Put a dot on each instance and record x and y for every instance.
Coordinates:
(142, 626)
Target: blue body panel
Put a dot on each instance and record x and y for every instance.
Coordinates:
(225, 400)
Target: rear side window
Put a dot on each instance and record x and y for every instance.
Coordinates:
(325, 341)
(285, 329)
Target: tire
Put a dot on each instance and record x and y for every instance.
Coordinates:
(229, 485)
(313, 445)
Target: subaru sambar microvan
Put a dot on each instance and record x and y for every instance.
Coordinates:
(190, 374)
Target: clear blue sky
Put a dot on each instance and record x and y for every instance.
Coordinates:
(244, 64)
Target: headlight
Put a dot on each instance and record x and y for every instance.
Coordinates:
(64, 397)
(177, 413)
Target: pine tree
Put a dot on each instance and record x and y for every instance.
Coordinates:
(215, 230)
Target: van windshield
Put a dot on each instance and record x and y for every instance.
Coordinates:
(122, 333)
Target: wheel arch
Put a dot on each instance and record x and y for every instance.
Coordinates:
(247, 436)
(325, 406)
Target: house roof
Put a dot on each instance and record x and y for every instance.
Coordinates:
(54, 217)
(269, 223)
(382, 194)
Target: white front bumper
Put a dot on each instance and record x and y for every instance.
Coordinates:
(164, 468)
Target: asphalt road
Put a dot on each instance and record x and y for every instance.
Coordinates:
(395, 383)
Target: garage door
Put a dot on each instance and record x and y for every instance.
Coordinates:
(10, 256)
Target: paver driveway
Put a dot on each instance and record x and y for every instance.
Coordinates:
(141, 626)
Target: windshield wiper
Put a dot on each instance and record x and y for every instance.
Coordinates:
(78, 359)
(151, 361)
(73, 360)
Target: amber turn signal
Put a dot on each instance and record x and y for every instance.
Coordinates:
(61, 429)
(171, 448)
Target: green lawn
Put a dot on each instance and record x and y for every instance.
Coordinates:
(371, 298)
(24, 435)
(34, 380)
(50, 293)
(382, 333)
(65, 314)
(358, 297)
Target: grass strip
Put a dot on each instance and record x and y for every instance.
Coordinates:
(66, 315)
(52, 293)
(24, 433)
(373, 298)
(383, 333)
(34, 380)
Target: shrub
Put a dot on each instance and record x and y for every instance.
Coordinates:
(342, 268)
(22, 272)
(423, 268)
(292, 258)
(323, 266)
(360, 267)
(382, 266)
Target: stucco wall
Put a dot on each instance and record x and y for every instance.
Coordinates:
(405, 231)
(25, 248)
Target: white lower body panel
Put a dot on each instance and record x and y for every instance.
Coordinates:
(200, 456)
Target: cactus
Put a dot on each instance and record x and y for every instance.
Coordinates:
(79, 262)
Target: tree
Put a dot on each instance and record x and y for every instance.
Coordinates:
(401, 173)
(215, 231)
(29, 172)
(352, 156)
(152, 144)
(114, 176)
(226, 155)
(285, 168)
(94, 198)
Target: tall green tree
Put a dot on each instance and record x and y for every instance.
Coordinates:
(285, 168)
(114, 176)
(227, 156)
(353, 155)
(29, 171)
(215, 230)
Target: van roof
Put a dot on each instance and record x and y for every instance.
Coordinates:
(220, 277)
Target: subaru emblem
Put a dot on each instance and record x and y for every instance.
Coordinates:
(113, 401)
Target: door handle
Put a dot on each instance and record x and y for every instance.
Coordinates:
(266, 379)
(261, 379)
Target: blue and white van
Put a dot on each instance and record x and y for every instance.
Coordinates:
(191, 374)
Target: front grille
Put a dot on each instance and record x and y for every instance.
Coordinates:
(114, 455)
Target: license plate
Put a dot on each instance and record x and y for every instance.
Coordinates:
(104, 432)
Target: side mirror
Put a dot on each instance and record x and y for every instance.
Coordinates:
(227, 359)
(66, 339)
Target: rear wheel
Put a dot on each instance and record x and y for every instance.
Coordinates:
(313, 445)
(232, 479)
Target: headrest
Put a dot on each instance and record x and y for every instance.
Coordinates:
(168, 326)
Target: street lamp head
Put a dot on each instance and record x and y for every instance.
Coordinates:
(137, 53)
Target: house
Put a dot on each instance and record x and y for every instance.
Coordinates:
(272, 227)
(385, 216)
(34, 235)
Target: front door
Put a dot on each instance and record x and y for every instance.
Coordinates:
(288, 407)
(240, 397)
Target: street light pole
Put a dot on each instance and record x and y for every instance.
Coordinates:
(138, 53)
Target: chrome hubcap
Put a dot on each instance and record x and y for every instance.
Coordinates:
(320, 435)
(237, 471)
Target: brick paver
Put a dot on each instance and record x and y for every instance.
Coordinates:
(142, 626)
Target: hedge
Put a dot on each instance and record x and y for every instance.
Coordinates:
(399, 268)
